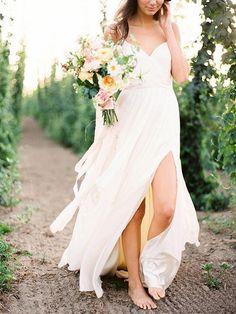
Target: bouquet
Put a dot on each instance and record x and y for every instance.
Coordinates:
(102, 69)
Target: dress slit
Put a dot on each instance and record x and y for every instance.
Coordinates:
(122, 268)
(107, 261)
(158, 270)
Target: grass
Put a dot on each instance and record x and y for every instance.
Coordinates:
(5, 228)
(6, 266)
(214, 273)
(8, 253)
(25, 216)
(220, 225)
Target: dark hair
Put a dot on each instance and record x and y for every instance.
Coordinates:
(125, 11)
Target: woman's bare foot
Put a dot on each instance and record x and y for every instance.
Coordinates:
(139, 296)
(156, 293)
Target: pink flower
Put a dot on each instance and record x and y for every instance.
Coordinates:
(103, 100)
(91, 64)
(87, 53)
(102, 96)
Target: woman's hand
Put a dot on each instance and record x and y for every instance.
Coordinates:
(165, 17)
(180, 68)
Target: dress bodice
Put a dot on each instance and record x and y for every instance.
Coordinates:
(155, 68)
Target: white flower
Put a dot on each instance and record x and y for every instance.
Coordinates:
(114, 68)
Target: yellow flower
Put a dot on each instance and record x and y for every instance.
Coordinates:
(104, 54)
(109, 84)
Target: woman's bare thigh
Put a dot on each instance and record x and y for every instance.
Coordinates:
(164, 184)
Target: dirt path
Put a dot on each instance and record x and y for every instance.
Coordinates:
(47, 176)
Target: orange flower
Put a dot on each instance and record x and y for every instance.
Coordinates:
(108, 83)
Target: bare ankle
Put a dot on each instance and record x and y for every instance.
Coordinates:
(134, 283)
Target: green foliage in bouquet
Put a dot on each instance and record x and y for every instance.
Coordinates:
(102, 69)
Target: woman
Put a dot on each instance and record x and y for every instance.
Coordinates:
(140, 153)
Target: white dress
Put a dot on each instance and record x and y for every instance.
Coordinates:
(118, 169)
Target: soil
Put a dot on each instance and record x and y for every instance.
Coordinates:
(47, 177)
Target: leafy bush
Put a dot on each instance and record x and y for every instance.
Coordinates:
(67, 117)
(6, 266)
(227, 141)
(9, 125)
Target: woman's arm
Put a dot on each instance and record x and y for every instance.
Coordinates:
(180, 68)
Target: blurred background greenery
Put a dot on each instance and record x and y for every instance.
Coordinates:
(207, 107)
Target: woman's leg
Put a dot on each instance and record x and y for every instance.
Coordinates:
(164, 187)
(131, 242)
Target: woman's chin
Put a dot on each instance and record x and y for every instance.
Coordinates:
(151, 12)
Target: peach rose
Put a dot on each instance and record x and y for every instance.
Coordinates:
(104, 54)
(83, 75)
(109, 84)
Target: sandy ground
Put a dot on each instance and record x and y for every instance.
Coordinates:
(47, 177)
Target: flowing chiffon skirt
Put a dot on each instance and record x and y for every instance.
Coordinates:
(116, 174)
